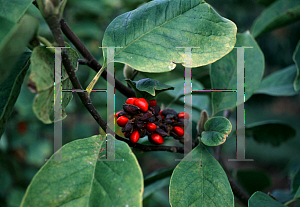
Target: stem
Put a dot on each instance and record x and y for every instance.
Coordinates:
(242, 195)
(291, 201)
(46, 43)
(85, 99)
(92, 62)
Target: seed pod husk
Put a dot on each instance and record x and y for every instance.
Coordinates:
(127, 134)
(150, 140)
(158, 117)
(128, 127)
(131, 109)
(142, 132)
(181, 140)
(170, 116)
(151, 119)
(168, 121)
(155, 109)
(122, 113)
(167, 111)
(139, 124)
(175, 136)
(146, 116)
(161, 132)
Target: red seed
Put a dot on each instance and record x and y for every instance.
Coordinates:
(178, 130)
(142, 104)
(122, 121)
(162, 117)
(183, 115)
(151, 127)
(134, 137)
(157, 139)
(22, 127)
(153, 102)
(131, 100)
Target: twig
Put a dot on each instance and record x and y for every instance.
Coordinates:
(52, 21)
(92, 62)
(242, 195)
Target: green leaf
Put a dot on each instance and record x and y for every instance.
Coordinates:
(14, 39)
(253, 180)
(200, 183)
(216, 131)
(296, 58)
(158, 175)
(154, 187)
(148, 88)
(157, 180)
(41, 79)
(10, 89)
(150, 34)
(265, 2)
(297, 195)
(278, 14)
(13, 9)
(270, 131)
(84, 181)
(223, 73)
(260, 199)
(295, 182)
(279, 83)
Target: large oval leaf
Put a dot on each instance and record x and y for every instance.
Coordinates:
(150, 34)
(200, 183)
(296, 58)
(10, 89)
(279, 83)
(84, 181)
(260, 199)
(13, 42)
(280, 13)
(13, 9)
(223, 73)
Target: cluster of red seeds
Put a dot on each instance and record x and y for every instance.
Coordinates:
(141, 117)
